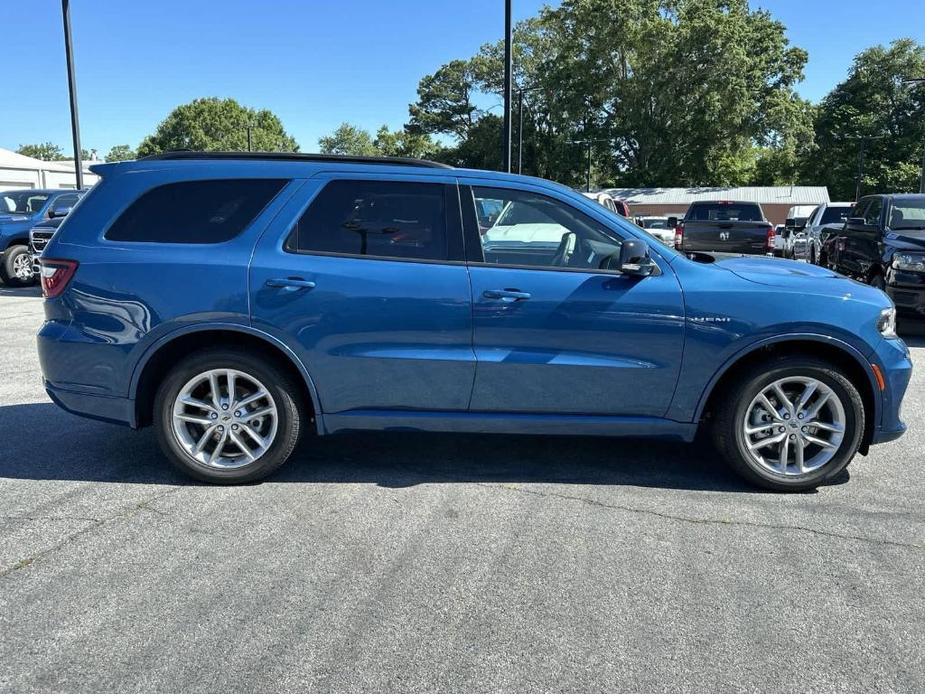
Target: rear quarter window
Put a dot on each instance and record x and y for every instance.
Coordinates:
(194, 211)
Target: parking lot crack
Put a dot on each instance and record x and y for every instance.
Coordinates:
(705, 521)
(94, 523)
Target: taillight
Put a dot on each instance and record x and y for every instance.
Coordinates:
(55, 275)
(678, 236)
(771, 236)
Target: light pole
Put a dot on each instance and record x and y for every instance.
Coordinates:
(919, 80)
(520, 125)
(590, 143)
(508, 68)
(72, 91)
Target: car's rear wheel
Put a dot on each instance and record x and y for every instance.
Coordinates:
(227, 417)
(792, 427)
(16, 268)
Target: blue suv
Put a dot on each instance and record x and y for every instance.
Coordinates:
(236, 302)
(20, 210)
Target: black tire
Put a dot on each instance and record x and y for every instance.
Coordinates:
(812, 256)
(7, 268)
(286, 395)
(731, 411)
(876, 280)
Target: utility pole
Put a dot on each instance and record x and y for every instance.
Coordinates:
(919, 80)
(249, 146)
(520, 130)
(72, 92)
(860, 178)
(508, 69)
(588, 183)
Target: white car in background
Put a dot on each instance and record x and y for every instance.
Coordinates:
(610, 202)
(827, 218)
(659, 227)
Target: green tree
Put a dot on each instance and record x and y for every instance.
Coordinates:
(674, 92)
(218, 124)
(875, 109)
(45, 151)
(349, 140)
(405, 143)
(445, 101)
(120, 153)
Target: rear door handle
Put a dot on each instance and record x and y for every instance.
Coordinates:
(508, 295)
(290, 283)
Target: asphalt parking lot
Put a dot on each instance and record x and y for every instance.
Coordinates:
(421, 563)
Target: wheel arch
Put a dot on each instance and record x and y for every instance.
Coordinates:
(16, 240)
(837, 352)
(166, 351)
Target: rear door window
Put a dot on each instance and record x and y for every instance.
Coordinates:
(381, 219)
(195, 211)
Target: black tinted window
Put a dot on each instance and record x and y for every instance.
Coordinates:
(725, 212)
(195, 211)
(389, 219)
(834, 214)
(872, 215)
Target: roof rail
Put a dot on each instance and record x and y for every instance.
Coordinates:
(296, 156)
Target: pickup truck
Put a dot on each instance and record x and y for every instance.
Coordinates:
(882, 243)
(725, 226)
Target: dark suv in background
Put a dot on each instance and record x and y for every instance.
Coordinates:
(883, 244)
(20, 211)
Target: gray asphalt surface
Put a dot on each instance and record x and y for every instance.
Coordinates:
(423, 563)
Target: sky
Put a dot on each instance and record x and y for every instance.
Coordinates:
(315, 63)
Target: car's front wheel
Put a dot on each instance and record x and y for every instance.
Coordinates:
(227, 417)
(16, 268)
(791, 427)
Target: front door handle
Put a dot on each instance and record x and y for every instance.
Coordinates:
(508, 295)
(290, 283)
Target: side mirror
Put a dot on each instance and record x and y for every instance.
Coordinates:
(673, 222)
(60, 211)
(634, 259)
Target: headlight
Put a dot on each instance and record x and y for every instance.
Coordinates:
(886, 324)
(911, 262)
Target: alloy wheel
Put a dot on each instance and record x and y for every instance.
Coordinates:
(794, 426)
(225, 418)
(22, 267)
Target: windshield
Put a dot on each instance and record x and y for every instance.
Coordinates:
(908, 215)
(21, 202)
(653, 223)
(725, 212)
(833, 215)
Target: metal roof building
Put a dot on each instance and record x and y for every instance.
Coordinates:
(19, 171)
(776, 201)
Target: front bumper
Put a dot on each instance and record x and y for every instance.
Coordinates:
(895, 363)
(907, 290)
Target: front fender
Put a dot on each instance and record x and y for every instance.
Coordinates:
(822, 339)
